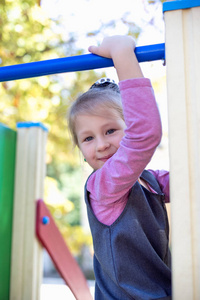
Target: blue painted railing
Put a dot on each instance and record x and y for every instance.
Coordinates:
(75, 63)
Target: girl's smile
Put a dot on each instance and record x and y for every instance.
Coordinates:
(99, 136)
(105, 158)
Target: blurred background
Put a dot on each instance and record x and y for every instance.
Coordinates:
(34, 30)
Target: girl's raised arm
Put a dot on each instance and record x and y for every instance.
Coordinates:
(121, 50)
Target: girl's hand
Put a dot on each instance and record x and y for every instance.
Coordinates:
(121, 50)
(112, 45)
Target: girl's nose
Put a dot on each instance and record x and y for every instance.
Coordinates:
(102, 144)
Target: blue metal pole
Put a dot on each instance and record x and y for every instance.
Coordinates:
(75, 63)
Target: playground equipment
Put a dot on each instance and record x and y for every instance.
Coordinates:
(7, 167)
(21, 270)
(182, 21)
(29, 184)
(182, 48)
(75, 63)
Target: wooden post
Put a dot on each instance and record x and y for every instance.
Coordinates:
(26, 273)
(182, 20)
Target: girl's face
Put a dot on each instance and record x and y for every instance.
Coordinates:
(99, 136)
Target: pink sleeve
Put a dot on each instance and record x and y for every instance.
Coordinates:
(162, 177)
(110, 185)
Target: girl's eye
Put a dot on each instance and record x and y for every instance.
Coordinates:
(87, 139)
(110, 131)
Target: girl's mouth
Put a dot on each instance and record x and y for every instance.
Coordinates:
(105, 158)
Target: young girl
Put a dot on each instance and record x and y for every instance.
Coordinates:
(117, 130)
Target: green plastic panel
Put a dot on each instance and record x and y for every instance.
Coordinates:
(7, 170)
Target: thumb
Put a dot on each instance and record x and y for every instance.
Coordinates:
(93, 49)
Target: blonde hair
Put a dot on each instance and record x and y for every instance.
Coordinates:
(91, 103)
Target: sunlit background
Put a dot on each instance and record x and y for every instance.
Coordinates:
(36, 30)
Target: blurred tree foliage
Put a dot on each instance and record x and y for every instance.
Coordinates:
(26, 35)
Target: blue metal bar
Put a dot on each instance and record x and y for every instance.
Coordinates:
(75, 63)
(180, 4)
